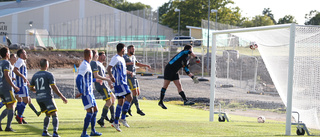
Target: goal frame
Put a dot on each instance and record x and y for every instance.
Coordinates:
(290, 67)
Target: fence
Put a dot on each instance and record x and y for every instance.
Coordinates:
(97, 31)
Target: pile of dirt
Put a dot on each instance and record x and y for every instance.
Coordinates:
(57, 59)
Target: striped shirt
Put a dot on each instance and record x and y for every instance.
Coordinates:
(22, 68)
(119, 70)
(84, 79)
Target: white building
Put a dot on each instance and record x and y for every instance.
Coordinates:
(86, 22)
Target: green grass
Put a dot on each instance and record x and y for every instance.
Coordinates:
(177, 120)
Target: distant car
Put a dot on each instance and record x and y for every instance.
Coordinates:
(185, 40)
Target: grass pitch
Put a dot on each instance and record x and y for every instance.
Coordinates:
(177, 120)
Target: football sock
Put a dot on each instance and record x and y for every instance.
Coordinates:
(112, 111)
(21, 109)
(183, 95)
(87, 121)
(118, 112)
(104, 112)
(125, 109)
(10, 117)
(33, 108)
(93, 121)
(163, 92)
(55, 123)
(16, 110)
(136, 102)
(3, 114)
(46, 121)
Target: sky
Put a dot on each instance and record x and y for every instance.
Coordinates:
(250, 8)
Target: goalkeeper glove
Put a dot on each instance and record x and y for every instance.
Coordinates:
(197, 60)
(195, 80)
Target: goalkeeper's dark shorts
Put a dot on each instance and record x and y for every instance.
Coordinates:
(170, 74)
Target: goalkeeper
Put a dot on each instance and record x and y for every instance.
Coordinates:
(171, 74)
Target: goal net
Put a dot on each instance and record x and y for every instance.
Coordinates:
(274, 46)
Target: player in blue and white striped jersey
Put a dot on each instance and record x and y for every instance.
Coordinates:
(20, 69)
(84, 83)
(122, 91)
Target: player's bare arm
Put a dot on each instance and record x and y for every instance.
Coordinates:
(129, 63)
(57, 91)
(16, 71)
(143, 65)
(130, 73)
(97, 76)
(110, 74)
(7, 77)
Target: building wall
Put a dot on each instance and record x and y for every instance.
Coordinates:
(196, 33)
(79, 17)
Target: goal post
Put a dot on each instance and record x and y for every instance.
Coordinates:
(288, 40)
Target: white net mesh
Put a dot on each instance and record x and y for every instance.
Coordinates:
(274, 49)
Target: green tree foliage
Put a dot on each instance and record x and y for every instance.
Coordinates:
(287, 19)
(124, 5)
(128, 6)
(193, 11)
(267, 12)
(165, 8)
(313, 18)
(257, 21)
(111, 3)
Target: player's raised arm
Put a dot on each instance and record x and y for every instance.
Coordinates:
(143, 65)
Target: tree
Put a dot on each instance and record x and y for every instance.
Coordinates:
(124, 5)
(127, 6)
(313, 18)
(287, 19)
(267, 12)
(164, 9)
(111, 3)
(257, 21)
(192, 12)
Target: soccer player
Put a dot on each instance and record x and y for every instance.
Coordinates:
(84, 84)
(20, 69)
(122, 91)
(43, 83)
(131, 63)
(6, 88)
(98, 71)
(12, 60)
(171, 74)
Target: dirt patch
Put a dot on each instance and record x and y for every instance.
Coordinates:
(57, 59)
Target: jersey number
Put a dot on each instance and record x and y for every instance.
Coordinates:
(40, 82)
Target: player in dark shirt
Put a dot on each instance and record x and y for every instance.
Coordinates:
(181, 60)
(6, 88)
(43, 83)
